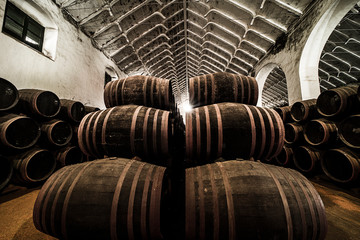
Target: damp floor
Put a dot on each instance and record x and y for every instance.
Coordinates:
(342, 210)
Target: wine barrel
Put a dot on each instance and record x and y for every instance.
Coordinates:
(222, 87)
(39, 103)
(68, 156)
(338, 101)
(56, 133)
(232, 130)
(251, 200)
(304, 110)
(293, 133)
(306, 159)
(349, 131)
(18, 132)
(320, 132)
(341, 165)
(126, 131)
(284, 113)
(9, 95)
(33, 166)
(104, 199)
(140, 90)
(89, 109)
(285, 157)
(6, 172)
(358, 93)
(71, 110)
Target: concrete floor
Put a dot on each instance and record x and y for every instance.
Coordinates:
(342, 208)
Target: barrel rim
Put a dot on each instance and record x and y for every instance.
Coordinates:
(16, 95)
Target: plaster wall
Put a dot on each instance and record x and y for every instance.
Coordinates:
(299, 55)
(77, 71)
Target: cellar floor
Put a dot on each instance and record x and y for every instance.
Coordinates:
(342, 208)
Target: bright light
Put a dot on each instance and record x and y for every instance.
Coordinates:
(187, 107)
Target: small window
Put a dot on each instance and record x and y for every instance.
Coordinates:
(22, 27)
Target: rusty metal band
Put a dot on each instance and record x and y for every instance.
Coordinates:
(94, 133)
(67, 198)
(208, 132)
(263, 133)
(281, 130)
(242, 88)
(106, 94)
(113, 92)
(133, 128)
(256, 91)
(191, 137)
(253, 131)
(145, 129)
(205, 90)
(117, 92)
(158, 88)
(103, 129)
(190, 208)
(235, 87)
(123, 91)
(249, 90)
(198, 133)
(201, 203)
(220, 130)
(229, 201)
(272, 133)
(152, 92)
(144, 206)
(115, 201)
(212, 88)
(155, 131)
(284, 202)
(199, 89)
(130, 225)
(144, 90)
(80, 134)
(191, 90)
(167, 89)
(155, 203)
(165, 132)
(87, 136)
(215, 202)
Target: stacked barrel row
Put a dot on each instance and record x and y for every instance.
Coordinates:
(36, 134)
(118, 198)
(323, 134)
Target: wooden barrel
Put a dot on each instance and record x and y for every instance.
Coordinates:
(284, 113)
(6, 172)
(358, 93)
(285, 157)
(232, 130)
(56, 133)
(139, 90)
(349, 131)
(338, 101)
(71, 110)
(33, 166)
(304, 110)
(68, 156)
(341, 165)
(18, 132)
(104, 199)
(9, 95)
(251, 200)
(222, 87)
(320, 132)
(126, 131)
(89, 109)
(39, 103)
(293, 133)
(306, 159)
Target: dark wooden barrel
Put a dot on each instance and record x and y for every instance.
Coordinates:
(232, 130)
(284, 113)
(358, 93)
(33, 166)
(71, 110)
(338, 101)
(68, 156)
(9, 95)
(39, 103)
(251, 200)
(56, 133)
(18, 132)
(139, 90)
(104, 199)
(285, 157)
(6, 172)
(89, 109)
(304, 110)
(349, 131)
(307, 159)
(320, 132)
(341, 165)
(294, 133)
(126, 131)
(222, 87)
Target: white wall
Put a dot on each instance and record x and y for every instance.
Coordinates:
(76, 73)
